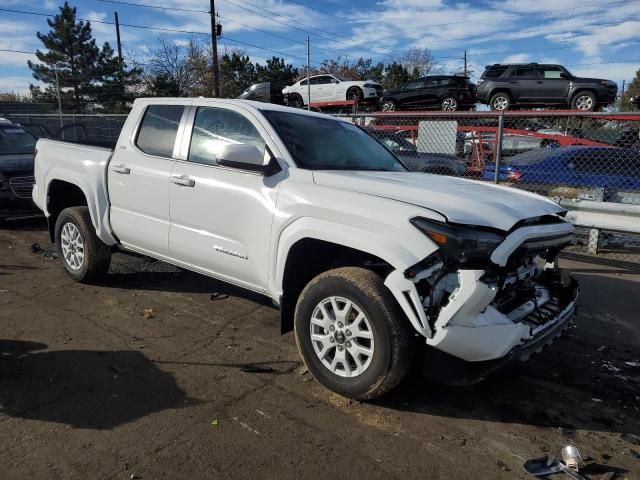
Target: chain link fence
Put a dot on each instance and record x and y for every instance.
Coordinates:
(97, 129)
(589, 162)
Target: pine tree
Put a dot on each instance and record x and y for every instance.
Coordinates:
(633, 90)
(88, 75)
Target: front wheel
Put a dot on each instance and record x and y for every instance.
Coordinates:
(296, 101)
(355, 94)
(83, 255)
(449, 104)
(351, 334)
(388, 106)
(584, 101)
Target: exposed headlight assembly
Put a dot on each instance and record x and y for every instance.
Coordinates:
(464, 245)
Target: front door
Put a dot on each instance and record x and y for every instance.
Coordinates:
(554, 88)
(138, 179)
(221, 217)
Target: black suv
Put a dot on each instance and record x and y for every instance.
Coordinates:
(532, 84)
(446, 92)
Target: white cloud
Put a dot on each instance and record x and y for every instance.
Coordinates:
(18, 84)
(517, 58)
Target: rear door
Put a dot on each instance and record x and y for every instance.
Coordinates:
(138, 178)
(524, 83)
(221, 217)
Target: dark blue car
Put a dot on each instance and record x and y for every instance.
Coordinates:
(579, 166)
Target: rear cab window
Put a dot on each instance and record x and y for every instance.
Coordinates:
(159, 129)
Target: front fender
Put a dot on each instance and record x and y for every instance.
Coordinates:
(387, 247)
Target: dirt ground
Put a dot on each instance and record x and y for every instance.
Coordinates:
(146, 376)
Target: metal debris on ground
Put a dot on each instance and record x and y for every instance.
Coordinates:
(218, 296)
(632, 364)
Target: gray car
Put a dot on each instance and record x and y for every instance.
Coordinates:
(407, 152)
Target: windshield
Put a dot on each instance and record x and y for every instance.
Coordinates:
(15, 140)
(327, 144)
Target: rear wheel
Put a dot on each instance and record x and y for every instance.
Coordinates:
(351, 334)
(584, 101)
(449, 104)
(500, 101)
(83, 255)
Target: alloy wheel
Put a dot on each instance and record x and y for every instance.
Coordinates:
(449, 104)
(584, 103)
(72, 245)
(500, 103)
(342, 336)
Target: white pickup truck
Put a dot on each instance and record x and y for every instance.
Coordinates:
(362, 257)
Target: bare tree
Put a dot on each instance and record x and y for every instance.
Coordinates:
(418, 62)
(166, 70)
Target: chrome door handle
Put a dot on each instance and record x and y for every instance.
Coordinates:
(123, 169)
(183, 180)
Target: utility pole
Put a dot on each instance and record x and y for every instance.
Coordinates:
(308, 77)
(118, 39)
(120, 61)
(59, 99)
(214, 50)
(465, 62)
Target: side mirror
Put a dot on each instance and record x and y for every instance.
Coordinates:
(566, 76)
(247, 157)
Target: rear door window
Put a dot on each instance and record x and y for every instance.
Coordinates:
(158, 130)
(525, 72)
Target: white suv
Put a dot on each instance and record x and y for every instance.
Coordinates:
(331, 88)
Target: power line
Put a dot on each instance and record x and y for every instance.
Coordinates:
(284, 16)
(176, 9)
(224, 37)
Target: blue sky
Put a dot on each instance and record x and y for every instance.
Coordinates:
(592, 38)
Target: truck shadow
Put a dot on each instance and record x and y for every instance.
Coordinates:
(82, 388)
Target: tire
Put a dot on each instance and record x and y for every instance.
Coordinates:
(296, 101)
(449, 104)
(500, 102)
(382, 360)
(388, 105)
(83, 255)
(354, 93)
(584, 101)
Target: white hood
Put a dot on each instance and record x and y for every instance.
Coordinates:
(462, 201)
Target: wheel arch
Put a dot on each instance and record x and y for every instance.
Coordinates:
(66, 189)
(309, 248)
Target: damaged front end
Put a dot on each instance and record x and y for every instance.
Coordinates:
(486, 295)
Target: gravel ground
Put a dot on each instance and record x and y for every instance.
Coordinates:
(146, 376)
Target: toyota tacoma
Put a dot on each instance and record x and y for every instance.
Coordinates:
(362, 257)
